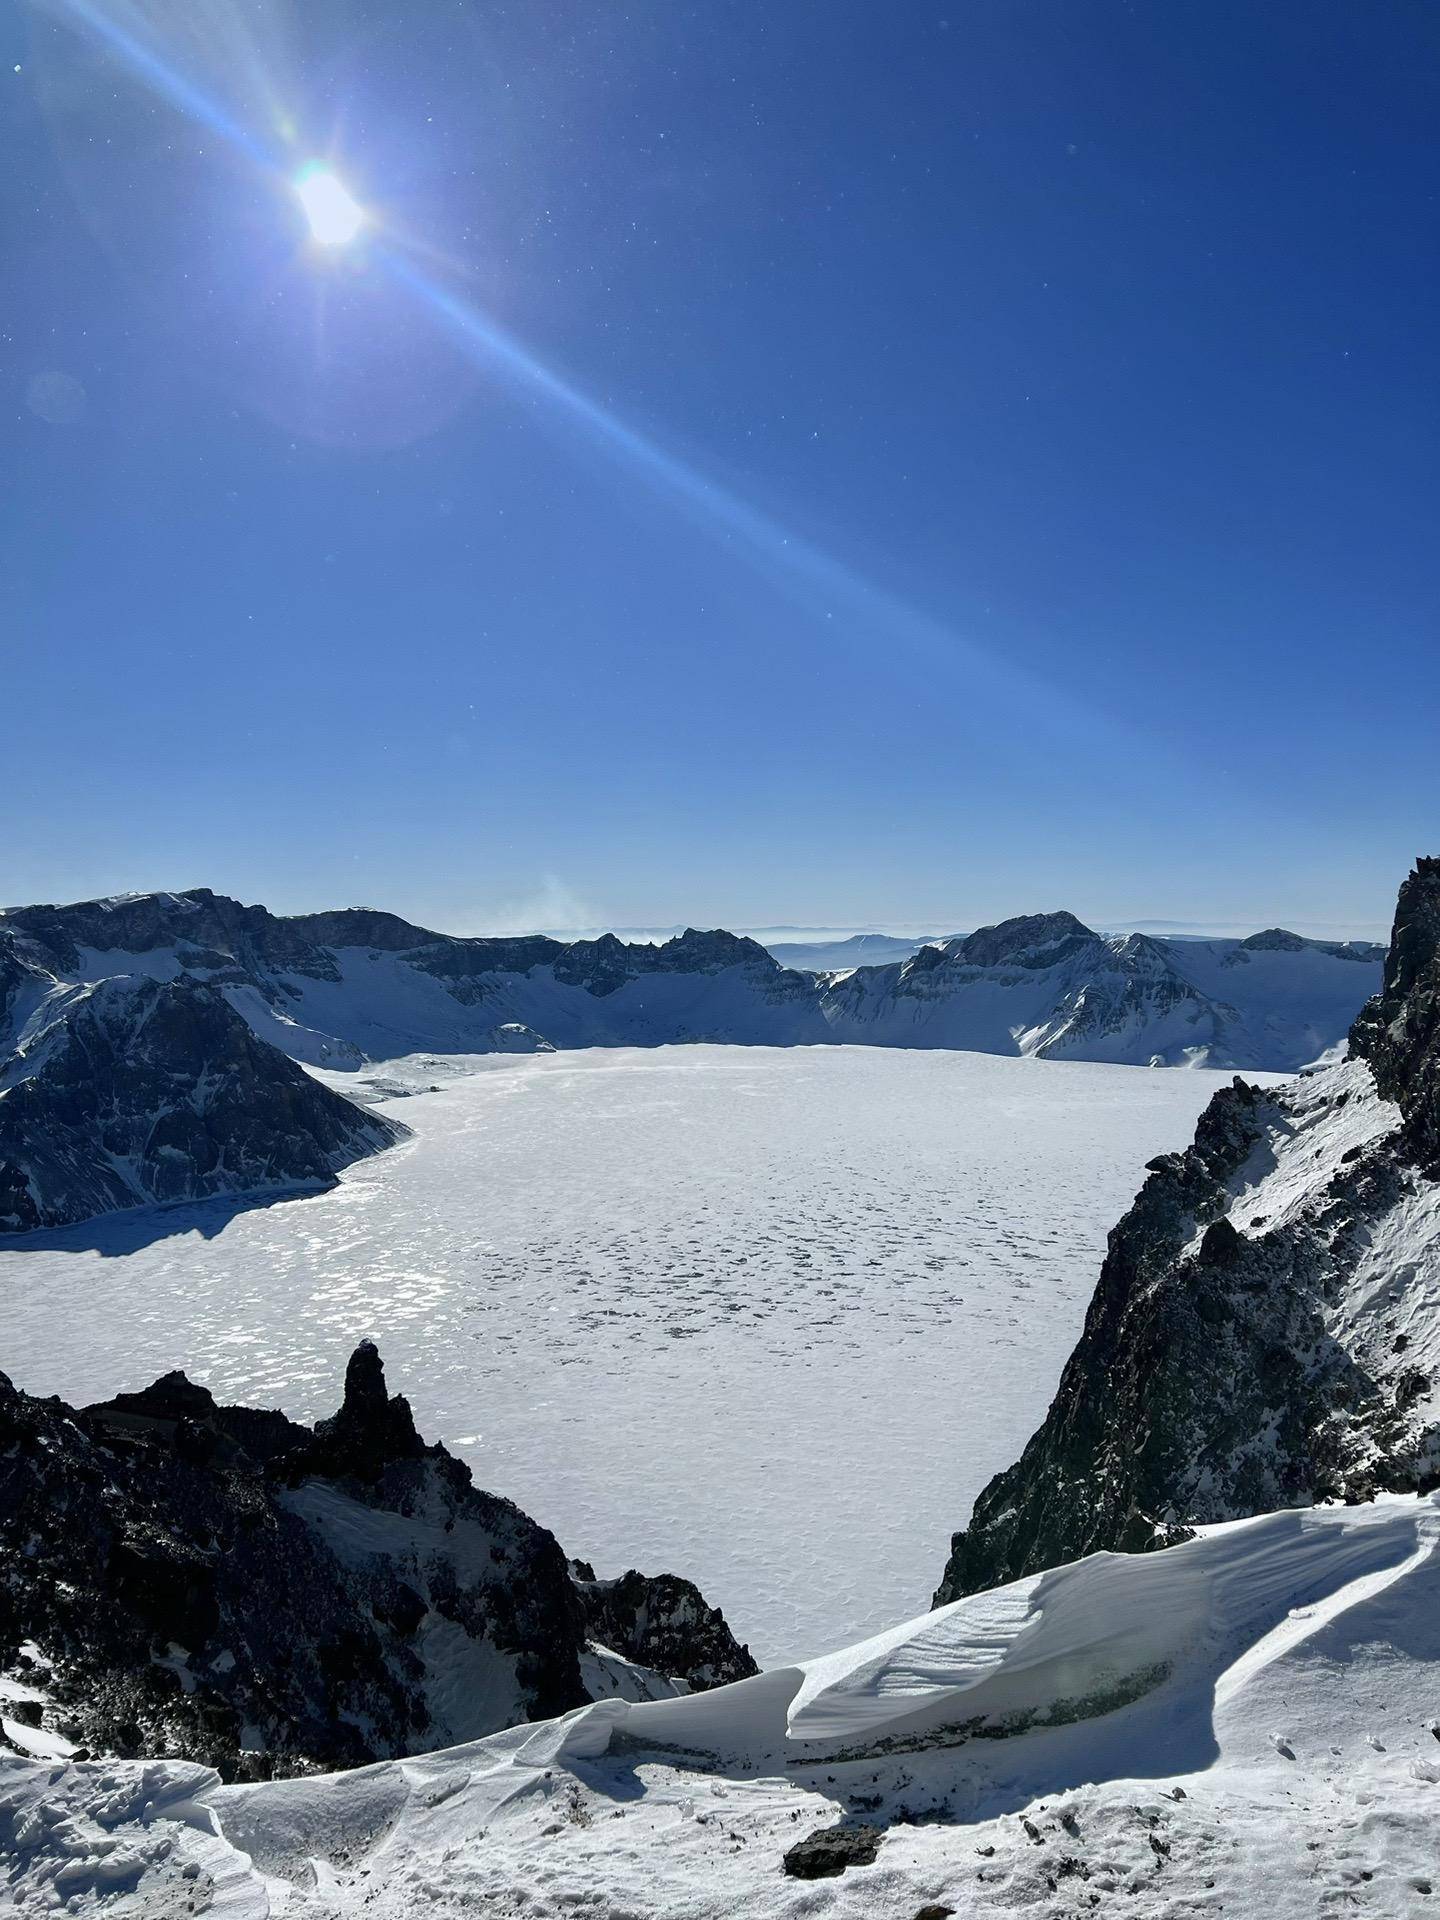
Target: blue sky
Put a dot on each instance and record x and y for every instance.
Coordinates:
(946, 461)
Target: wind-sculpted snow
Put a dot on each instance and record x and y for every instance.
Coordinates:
(764, 1315)
(1244, 1725)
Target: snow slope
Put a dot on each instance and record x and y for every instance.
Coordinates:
(771, 1316)
(1245, 1724)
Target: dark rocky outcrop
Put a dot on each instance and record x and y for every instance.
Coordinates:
(224, 1584)
(661, 1621)
(1247, 1347)
(1030, 940)
(135, 1091)
(1398, 1033)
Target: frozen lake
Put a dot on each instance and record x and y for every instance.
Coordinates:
(765, 1317)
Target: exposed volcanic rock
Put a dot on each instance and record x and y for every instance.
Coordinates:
(24, 983)
(662, 1621)
(1030, 940)
(216, 933)
(135, 1091)
(371, 1429)
(223, 1584)
(829, 1851)
(1266, 1328)
(1399, 1031)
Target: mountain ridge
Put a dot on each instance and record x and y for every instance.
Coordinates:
(343, 986)
(130, 1091)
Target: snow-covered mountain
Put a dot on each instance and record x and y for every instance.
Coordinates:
(1246, 1725)
(1266, 1329)
(226, 1585)
(1048, 986)
(335, 989)
(132, 1090)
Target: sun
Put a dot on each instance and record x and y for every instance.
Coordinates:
(335, 217)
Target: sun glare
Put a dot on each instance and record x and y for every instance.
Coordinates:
(334, 216)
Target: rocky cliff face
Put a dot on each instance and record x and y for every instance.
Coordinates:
(223, 1584)
(134, 1091)
(1398, 1032)
(1266, 1328)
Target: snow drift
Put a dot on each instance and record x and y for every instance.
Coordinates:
(1124, 1728)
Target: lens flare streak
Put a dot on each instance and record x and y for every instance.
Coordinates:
(335, 219)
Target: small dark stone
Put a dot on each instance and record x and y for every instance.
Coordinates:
(830, 1850)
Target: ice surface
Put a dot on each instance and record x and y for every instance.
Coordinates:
(765, 1317)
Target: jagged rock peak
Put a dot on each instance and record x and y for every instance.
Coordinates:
(174, 1396)
(371, 1428)
(1037, 934)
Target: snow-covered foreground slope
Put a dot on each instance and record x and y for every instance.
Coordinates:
(1243, 1725)
(769, 1316)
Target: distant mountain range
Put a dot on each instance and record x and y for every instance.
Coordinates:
(148, 1042)
(838, 955)
(337, 989)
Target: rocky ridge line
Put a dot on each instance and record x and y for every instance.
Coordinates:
(184, 1579)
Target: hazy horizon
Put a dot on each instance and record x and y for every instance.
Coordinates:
(774, 932)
